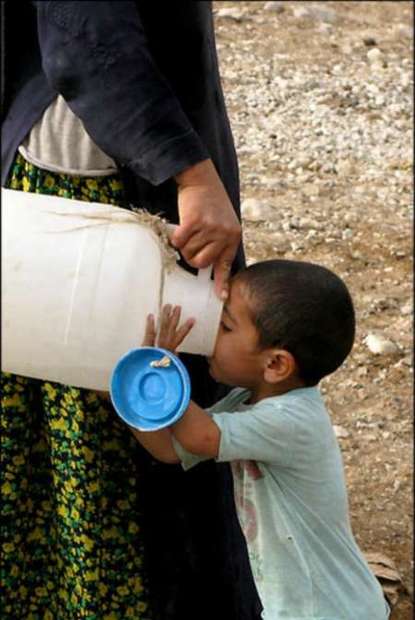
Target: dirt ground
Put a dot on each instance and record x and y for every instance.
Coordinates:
(344, 204)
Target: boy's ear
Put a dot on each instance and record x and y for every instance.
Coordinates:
(279, 365)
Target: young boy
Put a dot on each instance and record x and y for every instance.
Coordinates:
(286, 325)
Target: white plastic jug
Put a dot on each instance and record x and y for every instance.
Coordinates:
(78, 280)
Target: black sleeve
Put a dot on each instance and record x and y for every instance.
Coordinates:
(96, 55)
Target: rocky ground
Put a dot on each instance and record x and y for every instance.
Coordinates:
(320, 100)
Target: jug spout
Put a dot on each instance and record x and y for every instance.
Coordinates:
(198, 300)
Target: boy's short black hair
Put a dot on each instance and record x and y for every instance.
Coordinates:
(305, 309)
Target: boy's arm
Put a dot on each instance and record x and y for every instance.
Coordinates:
(197, 432)
(158, 443)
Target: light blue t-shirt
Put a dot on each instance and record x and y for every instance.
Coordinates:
(292, 504)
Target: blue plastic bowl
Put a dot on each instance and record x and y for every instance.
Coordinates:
(149, 398)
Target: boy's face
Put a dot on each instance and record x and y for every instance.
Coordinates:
(236, 359)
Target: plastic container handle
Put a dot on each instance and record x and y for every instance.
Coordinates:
(203, 275)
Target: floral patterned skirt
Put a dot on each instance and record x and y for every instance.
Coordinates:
(70, 489)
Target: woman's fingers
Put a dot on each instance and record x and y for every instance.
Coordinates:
(204, 255)
(222, 273)
(182, 234)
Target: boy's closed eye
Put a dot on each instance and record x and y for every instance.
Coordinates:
(225, 327)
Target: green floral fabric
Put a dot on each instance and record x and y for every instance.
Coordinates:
(70, 488)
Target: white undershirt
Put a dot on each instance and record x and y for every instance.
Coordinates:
(59, 143)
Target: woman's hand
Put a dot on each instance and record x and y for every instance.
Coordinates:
(209, 232)
(170, 334)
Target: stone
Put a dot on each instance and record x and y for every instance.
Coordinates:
(347, 234)
(306, 223)
(280, 243)
(403, 30)
(300, 12)
(340, 432)
(323, 13)
(316, 11)
(374, 55)
(255, 210)
(400, 254)
(345, 167)
(380, 345)
(276, 7)
(296, 246)
(310, 189)
(230, 13)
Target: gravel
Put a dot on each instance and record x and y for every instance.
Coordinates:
(320, 98)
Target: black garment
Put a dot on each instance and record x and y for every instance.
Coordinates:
(143, 77)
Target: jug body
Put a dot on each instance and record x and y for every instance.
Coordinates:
(197, 297)
(78, 281)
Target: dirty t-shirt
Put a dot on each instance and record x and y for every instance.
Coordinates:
(292, 505)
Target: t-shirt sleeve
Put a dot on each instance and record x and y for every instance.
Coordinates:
(265, 432)
(188, 459)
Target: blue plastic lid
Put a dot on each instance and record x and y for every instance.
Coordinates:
(150, 388)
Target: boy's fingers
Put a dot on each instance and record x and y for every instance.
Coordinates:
(169, 335)
(164, 325)
(183, 331)
(150, 332)
(174, 320)
(171, 318)
(165, 316)
(165, 313)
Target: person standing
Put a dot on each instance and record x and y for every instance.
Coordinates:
(121, 103)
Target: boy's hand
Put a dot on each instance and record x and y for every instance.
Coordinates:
(170, 336)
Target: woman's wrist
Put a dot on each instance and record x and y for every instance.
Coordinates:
(201, 173)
